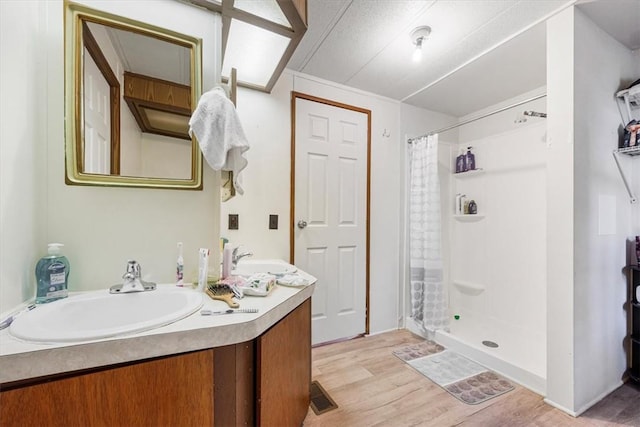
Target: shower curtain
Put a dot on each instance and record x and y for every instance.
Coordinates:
(428, 294)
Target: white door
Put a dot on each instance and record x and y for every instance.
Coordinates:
(330, 218)
(97, 119)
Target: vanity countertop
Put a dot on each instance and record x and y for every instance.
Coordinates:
(21, 360)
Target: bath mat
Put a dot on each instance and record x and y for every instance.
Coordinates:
(321, 402)
(479, 388)
(415, 351)
(446, 367)
(464, 379)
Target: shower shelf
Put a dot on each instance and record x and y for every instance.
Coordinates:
(469, 174)
(629, 151)
(631, 100)
(469, 217)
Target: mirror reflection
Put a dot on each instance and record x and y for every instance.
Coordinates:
(135, 87)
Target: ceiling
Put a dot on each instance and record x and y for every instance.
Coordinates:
(145, 55)
(480, 52)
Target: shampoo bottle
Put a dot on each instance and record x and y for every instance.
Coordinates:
(461, 162)
(473, 207)
(470, 160)
(52, 275)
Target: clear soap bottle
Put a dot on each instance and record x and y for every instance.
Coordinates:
(52, 275)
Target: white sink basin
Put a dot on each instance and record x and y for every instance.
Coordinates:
(99, 314)
(271, 266)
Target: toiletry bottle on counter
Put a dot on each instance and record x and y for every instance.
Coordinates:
(52, 275)
(470, 160)
(203, 268)
(180, 267)
(227, 258)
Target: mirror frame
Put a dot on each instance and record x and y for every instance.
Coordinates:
(74, 16)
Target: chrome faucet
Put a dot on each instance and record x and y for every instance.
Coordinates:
(235, 256)
(132, 281)
(131, 278)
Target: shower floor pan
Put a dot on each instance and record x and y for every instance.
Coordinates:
(518, 356)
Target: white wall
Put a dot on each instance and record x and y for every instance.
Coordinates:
(100, 227)
(589, 214)
(23, 149)
(603, 215)
(130, 142)
(560, 211)
(267, 122)
(165, 156)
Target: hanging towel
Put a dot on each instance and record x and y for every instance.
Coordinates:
(216, 125)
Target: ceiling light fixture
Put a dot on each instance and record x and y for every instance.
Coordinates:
(418, 36)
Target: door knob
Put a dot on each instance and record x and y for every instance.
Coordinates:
(302, 224)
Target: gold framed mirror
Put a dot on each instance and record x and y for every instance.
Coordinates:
(130, 88)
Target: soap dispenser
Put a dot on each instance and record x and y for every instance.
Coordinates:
(52, 275)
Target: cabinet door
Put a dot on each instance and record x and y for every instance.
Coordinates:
(284, 370)
(234, 392)
(174, 391)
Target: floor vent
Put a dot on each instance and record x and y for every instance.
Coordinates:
(490, 344)
(321, 402)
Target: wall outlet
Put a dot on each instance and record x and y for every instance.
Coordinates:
(273, 222)
(233, 221)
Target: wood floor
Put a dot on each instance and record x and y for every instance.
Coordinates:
(374, 388)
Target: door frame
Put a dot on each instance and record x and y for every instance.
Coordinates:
(93, 48)
(294, 97)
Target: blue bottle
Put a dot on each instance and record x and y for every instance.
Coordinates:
(470, 160)
(52, 275)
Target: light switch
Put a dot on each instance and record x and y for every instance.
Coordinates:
(273, 222)
(233, 221)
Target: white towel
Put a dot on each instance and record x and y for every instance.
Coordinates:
(216, 125)
(294, 280)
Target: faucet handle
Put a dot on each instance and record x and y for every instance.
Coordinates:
(133, 268)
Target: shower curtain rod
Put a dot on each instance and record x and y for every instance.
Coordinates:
(500, 110)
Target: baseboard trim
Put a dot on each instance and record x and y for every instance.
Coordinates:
(383, 332)
(557, 406)
(585, 407)
(601, 396)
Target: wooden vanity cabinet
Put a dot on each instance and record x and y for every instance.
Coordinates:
(260, 382)
(172, 391)
(283, 377)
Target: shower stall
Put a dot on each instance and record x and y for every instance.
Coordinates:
(494, 261)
